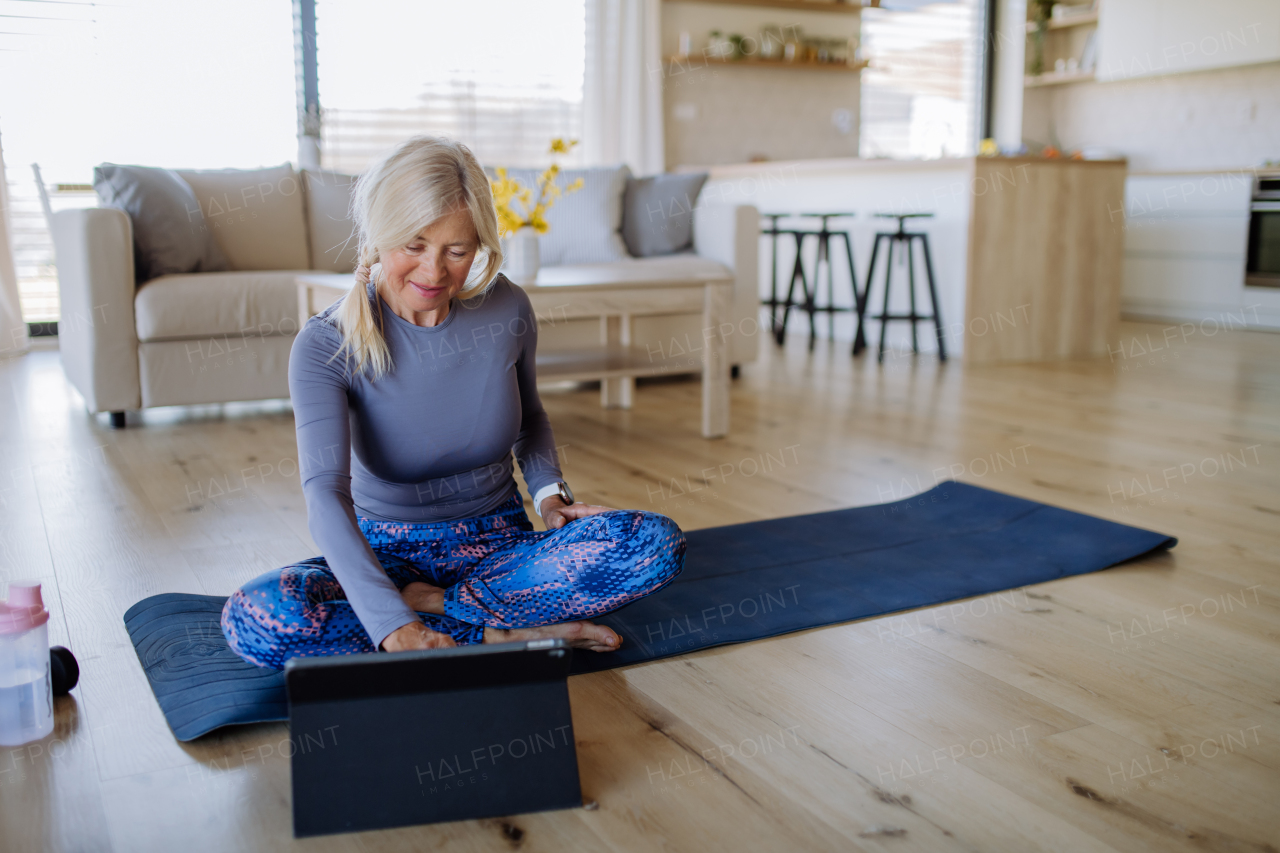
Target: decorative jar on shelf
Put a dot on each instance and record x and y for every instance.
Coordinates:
(771, 42)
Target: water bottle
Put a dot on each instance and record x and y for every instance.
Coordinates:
(26, 690)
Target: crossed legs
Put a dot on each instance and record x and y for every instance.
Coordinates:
(505, 585)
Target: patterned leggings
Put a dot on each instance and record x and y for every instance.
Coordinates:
(495, 570)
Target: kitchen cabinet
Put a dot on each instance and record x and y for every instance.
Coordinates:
(1144, 38)
(1185, 240)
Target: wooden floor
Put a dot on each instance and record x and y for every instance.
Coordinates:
(1132, 709)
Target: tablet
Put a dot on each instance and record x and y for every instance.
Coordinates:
(396, 739)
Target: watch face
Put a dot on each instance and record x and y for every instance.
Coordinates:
(566, 494)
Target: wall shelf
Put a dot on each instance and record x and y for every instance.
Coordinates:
(1053, 78)
(695, 61)
(794, 5)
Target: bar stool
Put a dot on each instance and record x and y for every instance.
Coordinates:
(810, 304)
(904, 239)
(797, 274)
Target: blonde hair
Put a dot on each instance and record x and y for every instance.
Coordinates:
(424, 179)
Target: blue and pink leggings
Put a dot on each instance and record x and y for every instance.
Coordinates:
(495, 569)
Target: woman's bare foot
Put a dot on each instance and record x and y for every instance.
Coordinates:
(580, 635)
(423, 597)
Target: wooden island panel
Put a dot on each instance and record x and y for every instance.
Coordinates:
(1045, 259)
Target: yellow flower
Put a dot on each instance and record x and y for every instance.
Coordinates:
(507, 191)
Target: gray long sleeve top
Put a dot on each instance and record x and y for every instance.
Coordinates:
(429, 441)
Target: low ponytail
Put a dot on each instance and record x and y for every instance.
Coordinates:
(362, 338)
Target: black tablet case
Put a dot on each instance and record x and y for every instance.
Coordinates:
(420, 737)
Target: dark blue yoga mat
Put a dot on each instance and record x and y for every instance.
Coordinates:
(200, 683)
(741, 582)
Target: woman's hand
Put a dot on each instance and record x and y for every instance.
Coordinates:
(415, 635)
(556, 515)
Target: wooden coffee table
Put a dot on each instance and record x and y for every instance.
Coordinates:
(617, 361)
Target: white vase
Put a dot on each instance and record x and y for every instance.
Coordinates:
(522, 257)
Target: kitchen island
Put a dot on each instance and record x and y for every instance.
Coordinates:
(1027, 252)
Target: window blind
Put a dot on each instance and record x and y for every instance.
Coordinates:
(502, 76)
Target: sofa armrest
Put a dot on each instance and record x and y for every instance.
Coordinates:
(731, 235)
(96, 332)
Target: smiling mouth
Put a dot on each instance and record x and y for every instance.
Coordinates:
(428, 292)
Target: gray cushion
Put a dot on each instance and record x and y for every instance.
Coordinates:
(255, 215)
(334, 243)
(583, 225)
(169, 231)
(657, 213)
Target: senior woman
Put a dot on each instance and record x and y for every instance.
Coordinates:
(410, 396)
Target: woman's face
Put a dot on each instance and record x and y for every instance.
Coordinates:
(420, 278)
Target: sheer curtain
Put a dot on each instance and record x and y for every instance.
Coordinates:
(13, 331)
(622, 86)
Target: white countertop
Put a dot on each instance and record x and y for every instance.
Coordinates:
(1213, 170)
(847, 165)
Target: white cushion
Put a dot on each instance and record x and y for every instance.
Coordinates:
(658, 268)
(334, 243)
(255, 215)
(213, 370)
(244, 304)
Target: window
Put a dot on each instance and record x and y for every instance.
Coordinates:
(920, 96)
(175, 83)
(501, 76)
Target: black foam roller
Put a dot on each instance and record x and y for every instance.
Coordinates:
(63, 669)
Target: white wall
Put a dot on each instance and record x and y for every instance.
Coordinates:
(1221, 119)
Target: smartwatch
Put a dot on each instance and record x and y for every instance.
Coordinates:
(560, 489)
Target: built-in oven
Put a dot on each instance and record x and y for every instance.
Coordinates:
(1263, 266)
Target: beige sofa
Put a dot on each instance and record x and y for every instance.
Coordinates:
(217, 337)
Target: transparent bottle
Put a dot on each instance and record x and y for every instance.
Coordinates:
(26, 690)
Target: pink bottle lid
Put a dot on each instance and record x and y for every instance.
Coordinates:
(24, 609)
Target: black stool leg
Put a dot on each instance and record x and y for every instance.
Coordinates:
(117, 420)
(831, 285)
(933, 298)
(797, 271)
(911, 289)
(773, 281)
(811, 297)
(863, 303)
(853, 283)
(884, 318)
